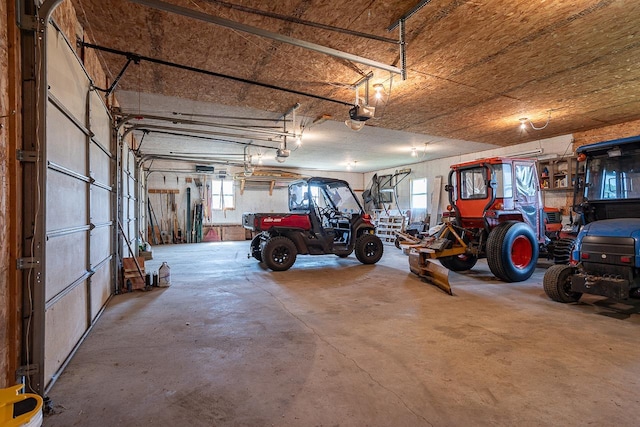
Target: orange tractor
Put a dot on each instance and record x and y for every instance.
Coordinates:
(495, 212)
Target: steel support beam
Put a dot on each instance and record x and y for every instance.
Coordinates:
(189, 13)
(33, 28)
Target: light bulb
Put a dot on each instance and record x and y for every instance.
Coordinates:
(259, 159)
(414, 152)
(348, 166)
(299, 140)
(378, 88)
(523, 123)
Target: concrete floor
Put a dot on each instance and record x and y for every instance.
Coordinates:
(334, 342)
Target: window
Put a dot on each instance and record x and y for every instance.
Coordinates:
(504, 188)
(222, 196)
(526, 180)
(419, 193)
(473, 183)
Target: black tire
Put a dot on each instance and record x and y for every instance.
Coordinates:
(344, 254)
(279, 253)
(557, 284)
(512, 251)
(256, 252)
(562, 250)
(369, 248)
(461, 262)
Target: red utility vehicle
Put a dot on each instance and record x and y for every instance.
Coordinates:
(325, 218)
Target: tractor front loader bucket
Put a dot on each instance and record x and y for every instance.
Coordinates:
(435, 274)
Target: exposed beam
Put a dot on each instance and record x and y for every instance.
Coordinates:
(190, 13)
(303, 22)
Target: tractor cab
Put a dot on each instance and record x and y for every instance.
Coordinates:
(487, 192)
(609, 188)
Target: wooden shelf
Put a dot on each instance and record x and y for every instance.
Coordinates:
(557, 174)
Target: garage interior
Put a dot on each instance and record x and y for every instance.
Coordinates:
(147, 128)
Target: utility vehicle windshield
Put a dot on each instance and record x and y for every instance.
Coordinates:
(335, 196)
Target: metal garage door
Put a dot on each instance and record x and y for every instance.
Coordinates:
(129, 199)
(79, 205)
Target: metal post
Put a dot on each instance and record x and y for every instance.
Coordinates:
(33, 37)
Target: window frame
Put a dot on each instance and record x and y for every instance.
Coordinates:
(421, 194)
(216, 190)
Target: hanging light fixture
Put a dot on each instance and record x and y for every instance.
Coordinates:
(360, 113)
(282, 153)
(523, 123)
(379, 88)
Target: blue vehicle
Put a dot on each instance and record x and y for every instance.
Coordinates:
(605, 260)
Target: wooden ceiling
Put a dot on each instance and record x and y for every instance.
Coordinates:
(474, 67)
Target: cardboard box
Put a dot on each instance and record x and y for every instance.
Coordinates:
(233, 233)
(130, 272)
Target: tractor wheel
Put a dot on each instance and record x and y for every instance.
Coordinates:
(369, 249)
(557, 284)
(255, 248)
(512, 251)
(279, 253)
(562, 250)
(461, 262)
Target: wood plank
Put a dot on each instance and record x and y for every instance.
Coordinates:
(162, 191)
(435, 201)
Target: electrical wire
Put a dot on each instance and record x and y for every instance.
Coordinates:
(545, 125)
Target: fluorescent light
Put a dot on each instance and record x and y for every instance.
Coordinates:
(528, 153)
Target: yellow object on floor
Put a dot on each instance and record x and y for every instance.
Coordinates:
(20, 409)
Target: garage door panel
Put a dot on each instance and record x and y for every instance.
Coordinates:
(67, 144)
(100, 165)
(66, 78)
(66, 201)
(65, 323)
(79, 267)
(100, 288)
(100, 244)
(131, 209)
(100, 123)
(66, 261)
(100, 205)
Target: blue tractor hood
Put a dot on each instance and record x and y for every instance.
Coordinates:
(619, 227)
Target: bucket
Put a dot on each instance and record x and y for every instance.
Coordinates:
(164, 273)
(20, 410)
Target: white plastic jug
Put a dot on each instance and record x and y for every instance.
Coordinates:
(164, 276)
